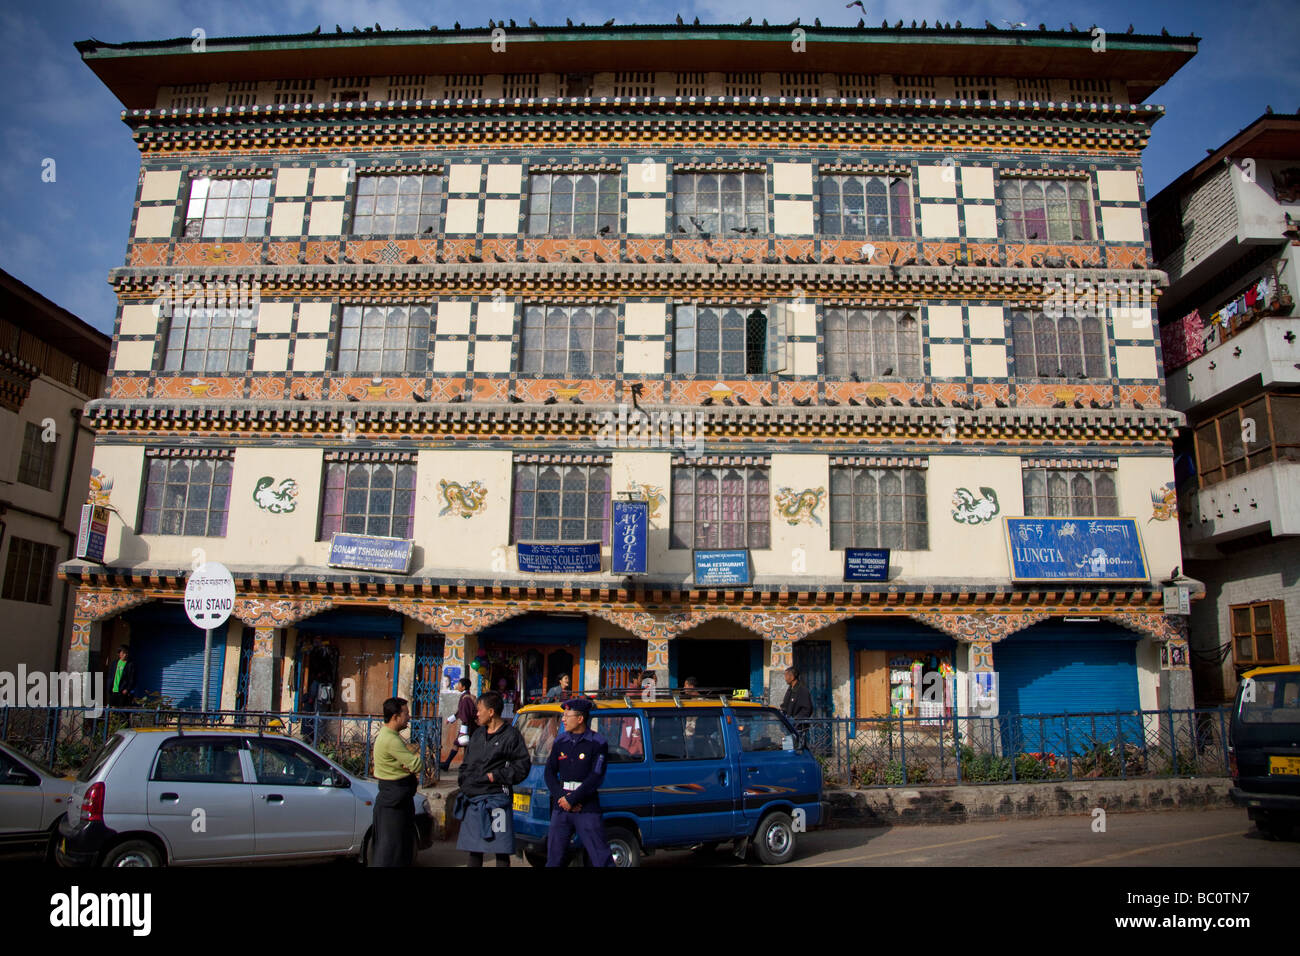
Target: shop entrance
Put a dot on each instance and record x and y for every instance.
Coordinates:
(901, 669)
(346, 662)
(716, 663)
(525, 656)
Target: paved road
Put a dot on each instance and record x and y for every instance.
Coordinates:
(1179, 838)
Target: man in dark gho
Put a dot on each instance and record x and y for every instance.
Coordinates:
(397, 768)
(574, 773)
(495, 760)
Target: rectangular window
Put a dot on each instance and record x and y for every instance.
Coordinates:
(569, 340)
(721, 508)
(1070, 493)
(1046, 210)
(572, 204)
(690, 84)
(976, 87)
(857, 85)
(209, 338)
(914, 87)
(763, 730)
(463, 86)
(719, 204)
(634, 83)
(579, 84)
(1253, 435)
(29, 572)
(384, 338)
(241, 93)
(189, 496)
(868, 206)
(801, 84)
(742, 84)
(878, 508)
(36, 464)
(623, 732)
(227, 208)
(687, 738)
(1258, 634)
(521, 86)
(1034, 88)
(720, 340)
(375, 498)
(871, 345)
(1066, 347)
(560, 502)
(397, 205)
(288, 92)
(196, 760)
(406, 87)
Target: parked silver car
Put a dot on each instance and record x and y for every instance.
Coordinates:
(32, 799)
(169, 796)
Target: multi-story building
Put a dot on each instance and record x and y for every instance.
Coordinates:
(499, 281)
(1226, 231)
(51, 364)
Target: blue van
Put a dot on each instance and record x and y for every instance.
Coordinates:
(682, 772)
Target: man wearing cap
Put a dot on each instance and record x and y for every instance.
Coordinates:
(574, 773)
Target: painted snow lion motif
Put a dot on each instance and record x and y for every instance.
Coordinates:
(967, 509)
(278, 501)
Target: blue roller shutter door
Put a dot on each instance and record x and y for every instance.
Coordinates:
(168, 654)
(1067, 669)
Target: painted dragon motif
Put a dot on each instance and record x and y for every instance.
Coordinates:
(796, 507)
(654, 494)
(464, 501)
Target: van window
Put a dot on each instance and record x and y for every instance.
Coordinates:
(96, 763)
(1277, 700)
(539, 732)
(687, 738)
(765, 730)
(623, 734)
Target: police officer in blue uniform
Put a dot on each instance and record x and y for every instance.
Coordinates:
(574, 772)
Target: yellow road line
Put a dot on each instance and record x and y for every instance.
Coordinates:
(914, 849)
(1157, 846)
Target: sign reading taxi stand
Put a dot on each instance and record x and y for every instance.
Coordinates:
(209, 599)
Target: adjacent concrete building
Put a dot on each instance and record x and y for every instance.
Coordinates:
(51, 364)
(1227, 231)
(799, 310)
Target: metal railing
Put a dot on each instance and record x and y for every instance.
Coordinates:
(1020, 748)
(63, 738)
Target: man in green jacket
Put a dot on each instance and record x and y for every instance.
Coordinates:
(397, 768)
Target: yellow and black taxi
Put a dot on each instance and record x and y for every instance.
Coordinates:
(1264, 747)
(686, 769)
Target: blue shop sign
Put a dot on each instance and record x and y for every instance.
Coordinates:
(630, 521)
(866, 564)
(1076, 549)
(581, 558)
(369, 553)
(722, 567)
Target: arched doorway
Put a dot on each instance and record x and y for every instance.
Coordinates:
(526, 655)
(718, 654)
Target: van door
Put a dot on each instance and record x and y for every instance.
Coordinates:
(626, 790)
(696, 789)
(200, 800)
(769, 771)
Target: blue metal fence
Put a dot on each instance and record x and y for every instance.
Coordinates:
(911, 751)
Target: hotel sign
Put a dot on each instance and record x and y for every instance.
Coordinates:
(1075, 549)
(629, 551)
(546, 558)
(370, 553)
(92, 533)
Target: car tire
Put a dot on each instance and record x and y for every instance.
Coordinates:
(774, 840)
(535, 857)
(133, 853)
(624, 847)
(1276, 827)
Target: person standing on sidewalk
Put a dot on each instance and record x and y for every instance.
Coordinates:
(574, 773)
(122, 682)
(397, 768)
(495, 760)
(466, 715)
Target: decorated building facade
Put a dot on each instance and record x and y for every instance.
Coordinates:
(425, 334)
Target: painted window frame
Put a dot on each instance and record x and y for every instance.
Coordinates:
(1047, 210)
(737, 510)
(255, 218)
(393, 519)
(213, 494)
(1065, 347)
(546, 219)
(428, 198)
(748, 215)
(870, 520)
(551, 347)
(1069, 492)
(355, 320)
(526, 492)
(834, 217)
(889, 346)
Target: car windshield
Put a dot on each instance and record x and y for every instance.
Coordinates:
(539, 731)
(96, 763)
(32, 762)
(1271, 699)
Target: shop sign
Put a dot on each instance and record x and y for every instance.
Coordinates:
(866, 564)
(546, 558)
(370, 553)
(1075, 549)
(92, 533)
(629, 552)
(722, 567)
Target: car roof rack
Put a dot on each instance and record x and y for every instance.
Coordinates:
(630, 697)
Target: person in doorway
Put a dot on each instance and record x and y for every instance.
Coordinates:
(507, 697)
(397, 768)
(574, 772)
(560, 692)
(690, 688)
(466, 716)
(798, 701)
(495, 760)
(122, 682)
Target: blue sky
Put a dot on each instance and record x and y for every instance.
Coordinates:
(62, 237)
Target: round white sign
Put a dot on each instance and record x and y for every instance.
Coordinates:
(210, 596)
